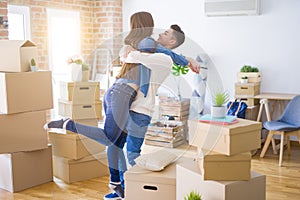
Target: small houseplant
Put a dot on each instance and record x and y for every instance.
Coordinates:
(193, 196)
(244, 79)
(218, 109)
(79, 70)
(33, 66)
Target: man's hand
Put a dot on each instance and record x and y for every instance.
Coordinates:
(193, 65)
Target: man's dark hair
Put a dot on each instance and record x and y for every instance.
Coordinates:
(178, 34)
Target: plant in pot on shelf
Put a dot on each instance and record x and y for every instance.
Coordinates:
(244, 79)
(193, 196)
(178, 70)
(218, 109)
(33, 66)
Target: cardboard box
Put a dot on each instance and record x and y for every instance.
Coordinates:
(253, 77)
(17, 56)
(240, 137)
(23, 132)
(151, 185)
(72, 145)
(80, 92)
(80, 111)
(219, 167)
(25, 91)
(89, 122)
(71, 171)
(246, 90)
(188, 178)
(22, 170)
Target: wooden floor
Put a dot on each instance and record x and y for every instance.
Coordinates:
(282, 182)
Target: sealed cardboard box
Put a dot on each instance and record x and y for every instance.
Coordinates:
(72, 145)
(151, 185)
(240, 137)
(23, 132)
(219, 167)
(17, 56)
(189, 178)
(80, 92)
(25, 91)
(89, 122)
(71, 171)
(22, 170)
(80, 111)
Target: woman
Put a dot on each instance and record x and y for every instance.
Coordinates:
(117, 102)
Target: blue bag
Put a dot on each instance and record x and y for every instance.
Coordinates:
(237, 108)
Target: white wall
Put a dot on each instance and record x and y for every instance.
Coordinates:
(269, 41)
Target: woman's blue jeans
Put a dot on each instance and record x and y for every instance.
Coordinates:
(117, 102)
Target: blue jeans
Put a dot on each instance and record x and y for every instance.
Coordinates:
(136, 129)
(117, 102)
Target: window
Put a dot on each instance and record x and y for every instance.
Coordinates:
(19, 23)
(64, 42)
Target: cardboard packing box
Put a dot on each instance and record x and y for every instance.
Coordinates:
(25, 91)
(240, 137)
(89, 122)
(189, 178)
(151, 185)
(219, 167)
(16, 55)
(246, 90)
(80, 111)
(72, 145)
(22, 170)
(80, 92)
(23, 132)
(71, 171)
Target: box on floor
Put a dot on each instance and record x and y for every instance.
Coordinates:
(70, 170)
(189, 178)
(23, 132)
(152, 185)
(72, 145)
(22, 170)
(17, 56)
(80, 92)
(231, 139)
(25, 91)
(219, 167)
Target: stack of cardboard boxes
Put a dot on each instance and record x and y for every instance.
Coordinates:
(224, 167)
(25, 96)
(247, 91)
(76, 157)
(166, 132)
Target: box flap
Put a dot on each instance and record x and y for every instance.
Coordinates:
(100, 157)
(28, 43)
(211, 156)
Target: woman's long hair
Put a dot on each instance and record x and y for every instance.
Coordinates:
(141, 26)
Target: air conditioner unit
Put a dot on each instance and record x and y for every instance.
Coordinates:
(231, 7)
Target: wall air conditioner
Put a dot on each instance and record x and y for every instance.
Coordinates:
(231, 7)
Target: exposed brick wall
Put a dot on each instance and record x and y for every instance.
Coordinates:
(99, 20)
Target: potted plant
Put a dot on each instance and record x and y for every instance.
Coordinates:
(193, 196)
(252, 73)
(218, 109)
(79, 70)
(33, 66)
(244, 79)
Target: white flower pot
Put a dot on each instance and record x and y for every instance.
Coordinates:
(75, 72)
(218, 111)
(244, 80)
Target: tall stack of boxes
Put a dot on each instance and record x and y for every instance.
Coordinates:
(224, 167)
(167, 132)
(76, 157)
(25, 97)
(247, 91)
